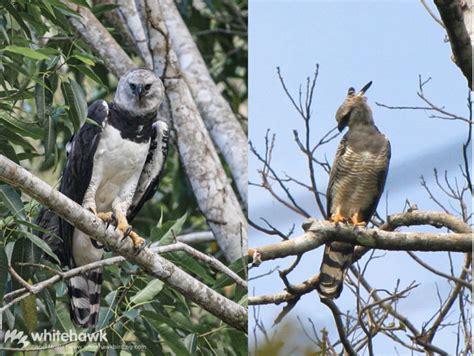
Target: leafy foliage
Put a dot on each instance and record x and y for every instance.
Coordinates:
(48, 76)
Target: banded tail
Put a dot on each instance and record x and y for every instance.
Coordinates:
(337, 258)
(84, 298)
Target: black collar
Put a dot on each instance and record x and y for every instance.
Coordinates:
(134, 128)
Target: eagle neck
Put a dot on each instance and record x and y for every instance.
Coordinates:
(134, 128)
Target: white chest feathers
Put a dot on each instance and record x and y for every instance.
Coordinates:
(118, 164)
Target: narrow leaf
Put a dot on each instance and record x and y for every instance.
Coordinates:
(11, 199)
(49, 136)
(41, 244)
(3, 271)
(40, 102)
(76, 101)
(84, 59)
(26, 52)
(148, 293)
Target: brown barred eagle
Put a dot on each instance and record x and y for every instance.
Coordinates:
(356, 182)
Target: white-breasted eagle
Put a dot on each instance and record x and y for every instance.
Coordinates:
(112, 168)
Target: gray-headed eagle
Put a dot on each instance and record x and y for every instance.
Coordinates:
(356, 182)
(112, 168)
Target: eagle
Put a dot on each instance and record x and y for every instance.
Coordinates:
(356, 182)
(113, 166)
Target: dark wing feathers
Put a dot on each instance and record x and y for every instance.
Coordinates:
(152, 170)
(381, 179)
(78, 170)
(341, 149)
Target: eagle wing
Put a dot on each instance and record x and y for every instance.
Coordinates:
(78, 170)
(382, 173)
(341, 149)
(152, 170)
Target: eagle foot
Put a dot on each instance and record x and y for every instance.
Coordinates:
(356, 222)
(108, 218)
(338, 218)
(127, 230)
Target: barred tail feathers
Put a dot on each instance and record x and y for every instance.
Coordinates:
(337, 258)
(84, 297)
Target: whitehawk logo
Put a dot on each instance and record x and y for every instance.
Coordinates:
(18, 336)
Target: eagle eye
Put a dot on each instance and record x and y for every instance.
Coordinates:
(147, 87)
(133, 86)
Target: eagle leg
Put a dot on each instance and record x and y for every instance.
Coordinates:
(127, 230)
(357, 221)
(337, 218)
(108, 218)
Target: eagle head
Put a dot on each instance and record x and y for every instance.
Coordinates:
(139, 92)
(354, 110)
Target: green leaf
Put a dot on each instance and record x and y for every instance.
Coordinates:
(148, 293)
(26, 52)
(171, 339)
(41, 244)
(92, 122)
(30, 313)
(76, 101)
(90, 73)
(64, 318)
(237, 267)
(49, 136)
(168, 231)
(190, 342)
(11, 199)
(20, 127)
(11, 9)
(3, 271)
(15, 139)
(84, 59)
(40, 102)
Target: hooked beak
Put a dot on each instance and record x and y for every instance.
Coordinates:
(342, 125)
(364, 89)
(139, 91)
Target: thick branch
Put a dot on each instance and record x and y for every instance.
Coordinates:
(216, 112)
(100, 40)
(155, 265)
(212, 189)
(451, 12)
(127, 20)
(319, 232)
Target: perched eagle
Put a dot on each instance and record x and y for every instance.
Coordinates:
(356, 182)
(112, 168)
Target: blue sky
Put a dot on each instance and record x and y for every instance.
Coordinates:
(390, 43)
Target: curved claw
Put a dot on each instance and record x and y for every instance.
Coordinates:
(96, 244)
(127, 232)
(140, 249)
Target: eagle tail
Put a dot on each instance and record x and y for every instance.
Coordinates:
(84, 297)
(337, 258)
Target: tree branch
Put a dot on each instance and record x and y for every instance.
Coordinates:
(216, 112)
(319, 232)
(155, 265)
(100, 40)
(214, 194)
(451, 12)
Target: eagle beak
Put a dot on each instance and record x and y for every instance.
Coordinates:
(342, 126)
(139, 91)
(364, 88)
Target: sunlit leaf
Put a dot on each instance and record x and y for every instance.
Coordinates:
(148, 293)
(26, 51)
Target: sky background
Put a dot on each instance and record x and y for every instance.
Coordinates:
(390, 43)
